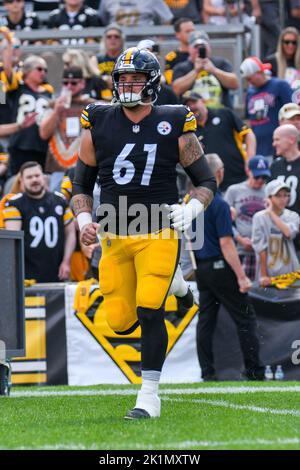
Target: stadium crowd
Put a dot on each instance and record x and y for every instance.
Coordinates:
(258, 148)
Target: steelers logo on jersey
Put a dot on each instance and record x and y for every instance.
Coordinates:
(164, 128)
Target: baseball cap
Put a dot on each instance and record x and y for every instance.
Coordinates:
(73, 72)
(191, 96)
(198, 37)
(288, 111)
(274, 186)
(252, 65)
(259, 166)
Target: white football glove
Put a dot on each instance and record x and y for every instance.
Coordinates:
(182, 215)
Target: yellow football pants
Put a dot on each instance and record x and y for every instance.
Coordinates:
(136, 271)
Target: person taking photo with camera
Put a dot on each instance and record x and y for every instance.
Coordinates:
(211, 77)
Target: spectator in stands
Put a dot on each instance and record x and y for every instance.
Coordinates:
(265, 96)
(95, 86)
(48, 225)
(134, 12)
(222, 131)
(222, 280)
(3, 167)
(246, 199)
(292, 10)
(286, 60)
(11, 71)
(74, 16)
(18, 18)
(212, 77)
(11, 53)
(188, 9)
(183, 27)
(61, 124)
(14, 189)
(267, 14)
(223, 12)
(27, 96)
(166, 95)
(287, 167)
(273, 232)
(289, 113)
(112, 45)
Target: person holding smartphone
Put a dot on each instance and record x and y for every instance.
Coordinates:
(210, 76)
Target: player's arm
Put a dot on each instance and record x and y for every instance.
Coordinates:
(193, 160)
(83, 186)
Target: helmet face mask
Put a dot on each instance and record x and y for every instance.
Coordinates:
(127, 96)
(133, 61)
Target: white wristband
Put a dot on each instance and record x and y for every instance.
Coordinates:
(83, 219)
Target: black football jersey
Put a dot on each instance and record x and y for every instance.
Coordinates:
(137, 160)
(96, 88)
(24, 100)
(171, 59)
(106, 64)
(28, 22)
(289, 172)
(85, 18)
(43, 222)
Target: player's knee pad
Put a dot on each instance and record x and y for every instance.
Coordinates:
(119, 314)
(162, 258)
(160, 265)
(110, 276)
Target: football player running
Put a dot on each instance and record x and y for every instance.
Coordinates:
(134, 147)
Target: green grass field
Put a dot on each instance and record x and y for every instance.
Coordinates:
(239, 415)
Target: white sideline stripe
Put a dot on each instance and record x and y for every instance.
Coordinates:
(170, 445)
(242, 442)
(163, 391)
(29, 366)
(35, 312)
(226, 404)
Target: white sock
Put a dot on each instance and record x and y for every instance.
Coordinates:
(150, 386)
(148, 398)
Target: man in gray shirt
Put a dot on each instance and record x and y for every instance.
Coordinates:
(273, 232)
(134, 12)
(245, 199)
